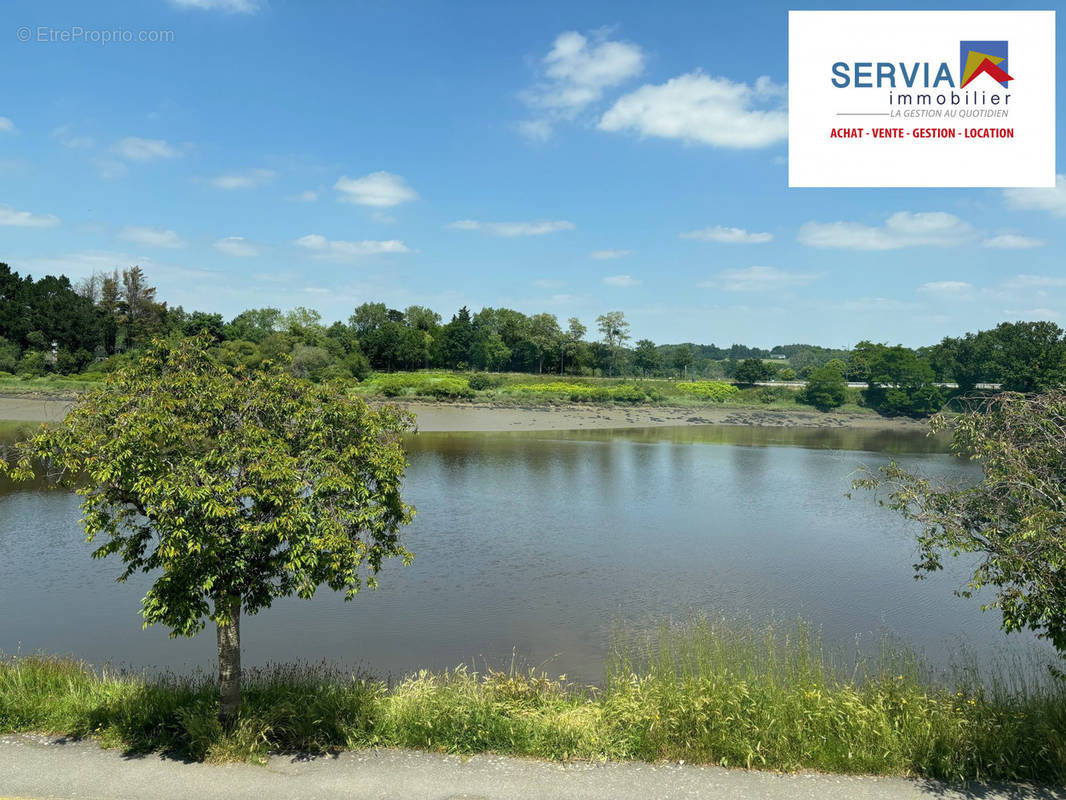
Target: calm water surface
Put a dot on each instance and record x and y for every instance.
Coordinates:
(537, 544)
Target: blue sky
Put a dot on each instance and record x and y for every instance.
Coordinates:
(569, 157)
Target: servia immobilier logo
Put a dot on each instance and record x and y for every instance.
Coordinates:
(976, 58)
(898, 98)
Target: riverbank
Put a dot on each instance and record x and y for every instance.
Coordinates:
(456, 417)
(710, 693)
(488, 417)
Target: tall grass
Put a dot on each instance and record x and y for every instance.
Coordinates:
(707, 692)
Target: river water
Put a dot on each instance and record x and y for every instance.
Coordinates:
(532, 547)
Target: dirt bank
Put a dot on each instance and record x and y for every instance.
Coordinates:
(486, 417)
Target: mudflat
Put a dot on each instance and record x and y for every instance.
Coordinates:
(457, 417)
(486, 417)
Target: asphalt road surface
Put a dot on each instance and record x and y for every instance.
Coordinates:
(47, 767)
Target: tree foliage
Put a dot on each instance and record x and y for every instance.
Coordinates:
(1013, 519)
(826, 388)
(114, 314)
(900, 382)
(753, 370)
(233, 487)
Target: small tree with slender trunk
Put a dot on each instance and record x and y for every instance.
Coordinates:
(232, 487)
(1013, 519)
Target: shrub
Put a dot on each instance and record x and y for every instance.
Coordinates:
(447, 387)
(584, 393)
(423, 386)
(715, 391)
(479, 382)
(32, 364)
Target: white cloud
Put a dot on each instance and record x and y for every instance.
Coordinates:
(1034, 282)
(339, 250)
(26, 219)
(536, 130)
(1012, 241)
(134, 148)
(576, 72)
(1051, 200)
(1032, 314)
(74, 142)
(152, 237)
(110, 168)
(701, 109)
(6, 125)
(718, 233)
(236, 246)
(228, 6)
(621, 281)
(537, 228)
(306, 196)
(946, 287)
(902, 229)
(249, 179)
(759, 279)
(608, 255)
(381, 189)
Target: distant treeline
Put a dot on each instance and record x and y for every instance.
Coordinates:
(52, 325)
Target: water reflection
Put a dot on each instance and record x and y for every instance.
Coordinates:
(540, 542)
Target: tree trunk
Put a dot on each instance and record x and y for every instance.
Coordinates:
(229, 659)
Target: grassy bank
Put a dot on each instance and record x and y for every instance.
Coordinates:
(709, 693)
(523, 389)
(511, 389)
(47, 385)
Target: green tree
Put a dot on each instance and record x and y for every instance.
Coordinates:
(494, 353)
(140, 311)
(1012, 520)
(1028, 356)
(753, 370)
(254, 325)
(232, 487)
(456, 339)
(615, 331)
(646, 356)
(859, 360)
(965, 360)
(826, 388)
(902, 383)
(575, 336)
(684, 357)
(9, 355)
(545, 335)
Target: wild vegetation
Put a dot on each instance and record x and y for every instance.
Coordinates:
(1012, 520)
(56, 335)
(723, 693)
(231, 487)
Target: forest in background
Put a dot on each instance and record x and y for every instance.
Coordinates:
(51, 325)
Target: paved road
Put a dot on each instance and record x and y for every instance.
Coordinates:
(39, 767)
